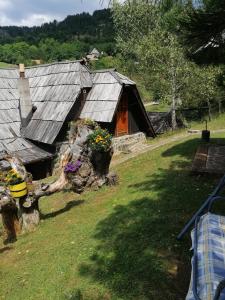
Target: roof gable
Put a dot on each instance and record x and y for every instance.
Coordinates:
(95, 51)
(102, 100)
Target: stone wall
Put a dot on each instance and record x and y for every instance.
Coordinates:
(124, 143)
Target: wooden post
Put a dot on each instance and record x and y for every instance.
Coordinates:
(22, 70)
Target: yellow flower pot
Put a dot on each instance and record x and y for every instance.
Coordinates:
(18, 190)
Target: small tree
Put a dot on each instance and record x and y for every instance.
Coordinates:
(162, 60)
(205, 87)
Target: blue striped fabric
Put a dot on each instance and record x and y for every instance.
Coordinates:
(211, 256)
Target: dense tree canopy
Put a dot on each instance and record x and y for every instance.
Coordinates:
(149, 39)
(203, 30)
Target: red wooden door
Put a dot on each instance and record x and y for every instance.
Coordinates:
(122, 117)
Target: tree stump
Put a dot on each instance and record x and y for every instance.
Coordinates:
(23, 215)
(11, 222)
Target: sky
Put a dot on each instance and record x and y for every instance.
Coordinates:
(37, 12)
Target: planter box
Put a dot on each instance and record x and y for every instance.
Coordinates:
(101, 162)
(18, 190)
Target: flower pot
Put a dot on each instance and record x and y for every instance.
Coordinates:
(18, 190)
(101, 162)
(206, 135)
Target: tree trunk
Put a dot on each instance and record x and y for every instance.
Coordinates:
(173, 103)
(209, 110)
(173, 114)
(30, 216)
(220, 107)
(11, 223)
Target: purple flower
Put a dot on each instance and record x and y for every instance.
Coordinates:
(72, 168)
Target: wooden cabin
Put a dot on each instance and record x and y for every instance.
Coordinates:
(114, 102)
(37, 104)
(94, 54)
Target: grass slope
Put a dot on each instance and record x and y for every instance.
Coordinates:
(117, 243)
(5, 65)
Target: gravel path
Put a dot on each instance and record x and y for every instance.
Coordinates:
(142, 148)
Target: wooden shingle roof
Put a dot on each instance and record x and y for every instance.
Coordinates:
(11, 140)
(103, 98)
(54, 90)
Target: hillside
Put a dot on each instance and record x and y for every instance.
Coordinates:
(69, 39)
(97, 28)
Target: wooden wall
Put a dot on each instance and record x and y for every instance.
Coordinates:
(129, 117)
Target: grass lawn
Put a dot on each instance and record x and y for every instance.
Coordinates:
(5, 65)
(216, 123)
(117, 243)
(161, 107)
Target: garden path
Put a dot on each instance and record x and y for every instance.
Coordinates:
(142, 148)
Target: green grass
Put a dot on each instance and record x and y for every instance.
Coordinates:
(117, 243)
(217, 122)
(162, 107)
(5, 65)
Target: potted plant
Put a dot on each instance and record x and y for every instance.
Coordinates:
(17, 186)
(100, 142)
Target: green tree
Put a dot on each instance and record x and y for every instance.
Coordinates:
(142, 38)
(163, 63)
(202, 27)
(205, 89)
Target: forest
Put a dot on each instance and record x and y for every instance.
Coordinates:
(71, 38)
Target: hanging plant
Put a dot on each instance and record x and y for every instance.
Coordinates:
(100, 140)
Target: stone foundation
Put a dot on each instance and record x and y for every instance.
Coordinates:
(126, 142)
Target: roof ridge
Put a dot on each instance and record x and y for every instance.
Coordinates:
(113, 73)
(55, 63)
(9, 68)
